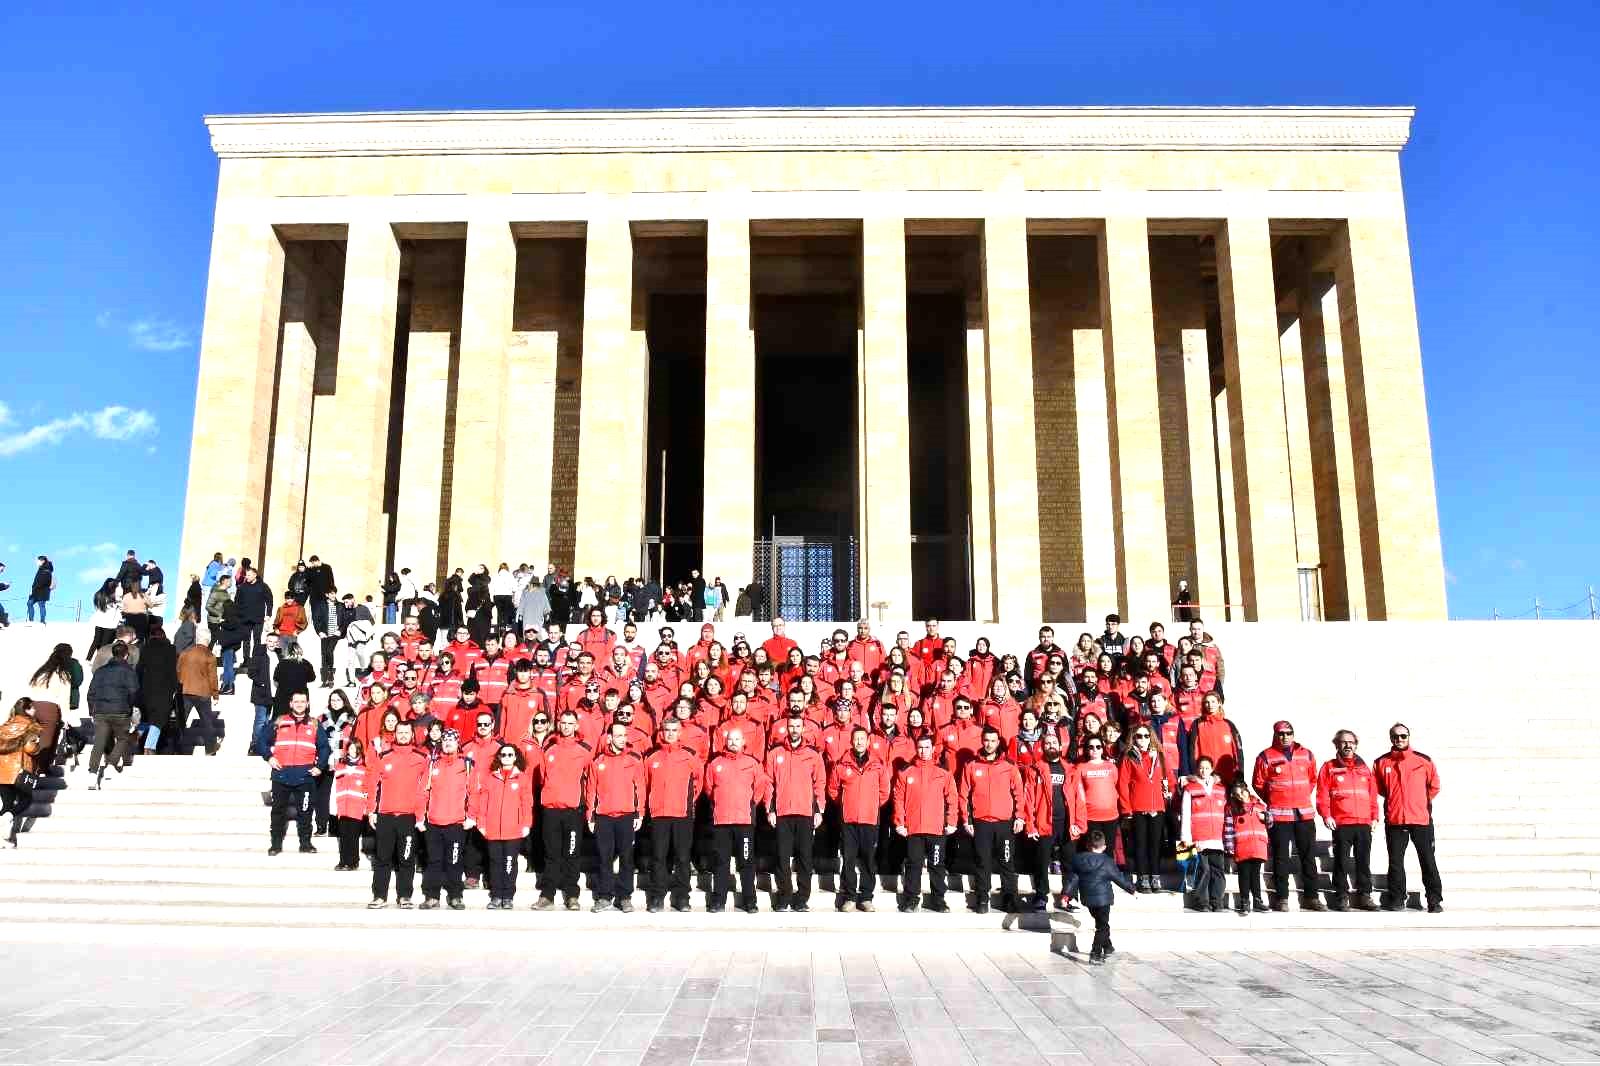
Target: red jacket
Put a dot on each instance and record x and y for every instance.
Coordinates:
(869, 653)
(960, 743)
(517, 708)
(1244, 834)
(1098, 784)
(1004, 715)
(861, 790)
(561, 776)
(1286, 781)
(1217, 739)
(896, 752)
(463, 656)
(755, 737)
(295, 743)
(350, 791)
(503, 806)
(1204, 811)
(673, 779)
(597, 641)
(991, 791)
(614, 784)
(451, 782)
(399, 783)
(1040, 813)
(799, 781)
(1347, 792)
(925, 799)
(735, 784)
(493, 678)
(1140, 783)
(1407, 781)
(939, 709)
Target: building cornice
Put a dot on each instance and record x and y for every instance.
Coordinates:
(812, 130)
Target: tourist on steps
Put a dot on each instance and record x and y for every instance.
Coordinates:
(297, 751)
(1285, 777)
(112, 693)
(1408, 782)
(1347, 802)
(1092, 875)
(21, 739)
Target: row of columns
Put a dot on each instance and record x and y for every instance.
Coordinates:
(1386, 462)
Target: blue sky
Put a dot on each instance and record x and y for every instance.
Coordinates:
(109, 183)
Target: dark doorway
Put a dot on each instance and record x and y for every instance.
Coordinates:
(675, 440)
(936, 337)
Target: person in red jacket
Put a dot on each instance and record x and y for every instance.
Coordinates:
(735, 783)
(394, 806)
(859, 783)
(520, 702)
(926, 811)
(866, 649)
(960, 739)
(992, 802)
(560, 799)
(799, 783)
(350, 804)
(1408, 782)
(1055, 818)
(1244, 840)
(1215, 737)
(930, 650)
(614, 796)
(1144, 789)
(1347, 803)
(451, 782)
(674, 776)
(1204, 809)
(1285, 778)
(502, 808)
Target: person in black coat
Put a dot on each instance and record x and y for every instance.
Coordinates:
(263, 664)
(1093, 874)
(292, 674)
(158, 689)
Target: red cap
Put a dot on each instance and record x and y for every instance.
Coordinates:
(1280, 725)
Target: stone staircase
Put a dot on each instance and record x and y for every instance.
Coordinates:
(180, 842)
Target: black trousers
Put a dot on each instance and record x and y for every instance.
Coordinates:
(859, 854)
(328, 644)
(1352, 859)
(322, 801)
(1057, 846)
(924, 849)
(1212, 880)
(445, 846)
(15, 800)
(995, 851)
(1144, 843)
(1397, 837)
(295, 799)
(474, 854)
(349, 841)
(252, 637)
(110, 740)
(394, 852)
(1302, 833)
(671, 860)
(505, 610)
(503, 860)
(207, 725)
(795, 836)
(613, 838)
(1249, 874)
(735, 843)
(1102, 927)
(563, 833)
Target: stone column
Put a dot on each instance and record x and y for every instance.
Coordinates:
(1008, 328)
(345, 523)
(1262, 491)
(885, 428)
(1344, 591)
(1139, 507)
(433, 332)
(1094, 472)
(529, 447)
(1209, 586)
(981, 486)
(611, 417)
(1297, 427)
(233, 403)
(1222, 442)
(478, 472)
(291, 432)
(1401, 553)
(730, 428)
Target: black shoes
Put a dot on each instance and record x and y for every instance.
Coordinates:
(684, 907)
(457, 903)
(938, 905)
(1280, 903)
(1435, 907)
(1363, 903)
(429, 905)
(274, 850)
(1312, 902)
(308, 849)
(1097, 956)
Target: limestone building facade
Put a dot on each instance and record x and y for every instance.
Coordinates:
(999, 363)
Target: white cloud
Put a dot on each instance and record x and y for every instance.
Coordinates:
(1517, 564)
(104, 319)
(1449, 576)
(98, 572)
(109, 423)
(75, 550)
(159, 335)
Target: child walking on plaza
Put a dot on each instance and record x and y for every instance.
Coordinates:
(1093, 874)
(1244, 837)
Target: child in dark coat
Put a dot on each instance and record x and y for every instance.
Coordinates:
(1093, 874)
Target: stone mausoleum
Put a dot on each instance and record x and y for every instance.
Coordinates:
(989, 363)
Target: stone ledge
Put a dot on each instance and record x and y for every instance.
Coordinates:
(801, 130)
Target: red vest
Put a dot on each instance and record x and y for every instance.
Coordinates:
(295, 743)
(1207, 809)
(1286, 781)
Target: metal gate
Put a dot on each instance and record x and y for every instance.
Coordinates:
(807, 579)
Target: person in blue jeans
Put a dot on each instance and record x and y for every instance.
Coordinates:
(1093, 874)
(44, 580)
(263, 660)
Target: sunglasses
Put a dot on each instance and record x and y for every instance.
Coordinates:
(1096, 747)
(508, 755)
(485, 725)
(1399, 736)
(1285, 733)
(541, 721)
(1141, 736)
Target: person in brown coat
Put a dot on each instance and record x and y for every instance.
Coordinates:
(197, 677)
(21, 738)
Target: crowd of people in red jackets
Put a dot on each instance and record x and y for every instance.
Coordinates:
(587, 752)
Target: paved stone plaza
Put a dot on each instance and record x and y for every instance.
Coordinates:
(334, 1002)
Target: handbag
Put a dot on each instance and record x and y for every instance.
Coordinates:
(26, 779)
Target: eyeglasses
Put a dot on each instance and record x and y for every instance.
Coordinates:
(1399, 736)
(507, 755)
(1141, 736)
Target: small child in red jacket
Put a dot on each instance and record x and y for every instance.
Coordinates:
(1244, 838)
